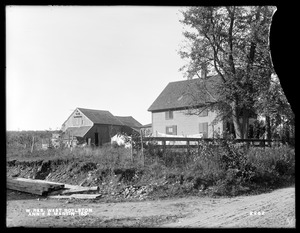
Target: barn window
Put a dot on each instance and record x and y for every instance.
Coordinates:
(203, 129)
(169, 115)
(172, 130)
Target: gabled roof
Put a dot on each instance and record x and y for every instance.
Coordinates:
(183, 94)
(76, 131)
(129, 121)
(100, 116)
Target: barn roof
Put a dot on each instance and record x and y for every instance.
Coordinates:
(76, 131)
(129, 121)
(183, 94)
(100, 116)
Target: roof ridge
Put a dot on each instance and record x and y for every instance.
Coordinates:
(125, 116)
(93, 114)
(93, 109)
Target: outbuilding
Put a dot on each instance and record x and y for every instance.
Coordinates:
(96, 127)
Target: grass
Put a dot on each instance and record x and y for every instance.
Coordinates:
(229, 169)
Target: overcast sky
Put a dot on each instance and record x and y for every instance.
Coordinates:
(115, 58)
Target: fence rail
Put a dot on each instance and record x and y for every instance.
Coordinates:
(195, 142)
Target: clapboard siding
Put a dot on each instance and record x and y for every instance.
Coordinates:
(77, 119)
(186, 124)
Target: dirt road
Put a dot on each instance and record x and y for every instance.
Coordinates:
(275, 209)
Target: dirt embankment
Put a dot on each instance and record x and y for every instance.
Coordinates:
(114, 183)
(275, 209)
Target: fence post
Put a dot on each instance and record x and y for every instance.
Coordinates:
(142, 148)
(32, 144)
(131, 149)
(188, 147)
(263, 143)
(248, 144)
(164, 145)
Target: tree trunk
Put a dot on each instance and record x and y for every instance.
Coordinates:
(268, 127)
(245, 123)
(245, 127)
(236, 123)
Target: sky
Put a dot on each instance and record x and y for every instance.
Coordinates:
(114, 58)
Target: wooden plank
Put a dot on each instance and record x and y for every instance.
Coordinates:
(49, 184)
(81, 190)
(40, 191)
(41, 182)
(74, 189)
(76, 196)
(31, 191)
(175, 146)
(31, 186)
(12, 183)
(146, 139)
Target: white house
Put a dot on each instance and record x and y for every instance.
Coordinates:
(170, 109)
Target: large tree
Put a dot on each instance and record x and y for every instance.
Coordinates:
(233, 43)
(273, 105)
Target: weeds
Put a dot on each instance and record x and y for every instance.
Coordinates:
(229, 169)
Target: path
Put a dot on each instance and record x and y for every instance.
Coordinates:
(276, 209)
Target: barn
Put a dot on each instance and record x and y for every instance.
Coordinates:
(96, 127)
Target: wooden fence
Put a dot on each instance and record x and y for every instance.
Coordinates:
(185, 142)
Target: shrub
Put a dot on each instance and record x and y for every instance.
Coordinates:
(273, 165)
(230, 168)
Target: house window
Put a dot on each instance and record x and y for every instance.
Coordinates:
(169, 115)
(203, 113)
(203, 129)
(172, 130)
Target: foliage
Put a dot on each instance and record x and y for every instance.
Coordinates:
(233, 42)
(272, 164)
(272, 102)
(220, 167)
(24, 139)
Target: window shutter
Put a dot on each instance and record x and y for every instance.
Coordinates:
(200, 127)
(168, 130)
(203, 128)
(167, 115)
(174, 129)
(171, 115)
